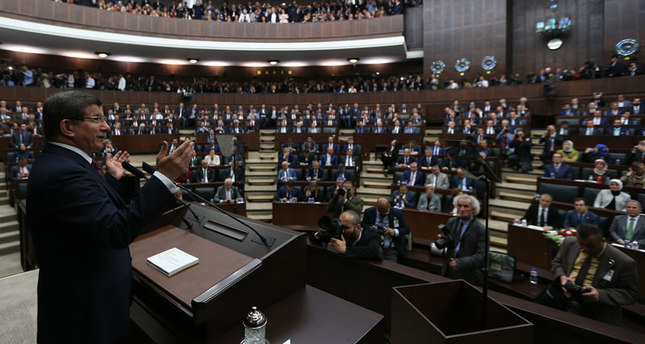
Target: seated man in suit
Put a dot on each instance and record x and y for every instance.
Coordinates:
(557, 169)
(351, 145)
(616, 129)
(402, 198)
(350, 160)
(345, 198)
(356, 242)
(20, 171)
(287, 193)
(204, 174)
(428, 160)
(437, 178)
(413, 177)
(465, 254)
(590, 129)
(22, 152)
(580, 214)
(330, 144)
(310, 145)
(406, 159)
(542, 214)
(460, 180)
(430, 200)
(227, 193)
(629, 227)
(608, 276)
(342, 173)
(316, 173)
(312, 193)
(330, 158)
(391, 223)
(286, 173)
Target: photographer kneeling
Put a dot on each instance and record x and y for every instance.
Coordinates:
(464, 238)
(345, 235)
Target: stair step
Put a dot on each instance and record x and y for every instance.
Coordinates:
(9, 247)
(261, 217)
(261, 181)
(508, 195)
(262, 167)
(267, 132)
(375, 170)
(499, 244)
(369, 183)
(267, 156)
(8, 237)
(521, 180)
(515, 187)
(503, 216)
(371, 201)
(9, 226)
(267, 138)
(260, 198)
(267, 146)
(259, 206)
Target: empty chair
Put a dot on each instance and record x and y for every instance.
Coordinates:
(560, 193)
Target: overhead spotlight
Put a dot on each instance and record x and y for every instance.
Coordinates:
(102, 54)
(192, 60)
(353, 60)
(273, 62)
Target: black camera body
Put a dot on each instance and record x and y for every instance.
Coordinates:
(380, 230)
(341, 192)
(575, 289)
(446, 239)
(333, 228)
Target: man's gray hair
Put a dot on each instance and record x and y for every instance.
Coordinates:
(354, 215)
(474, 202)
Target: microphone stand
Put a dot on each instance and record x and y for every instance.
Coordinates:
(148, 168)
(488, 176)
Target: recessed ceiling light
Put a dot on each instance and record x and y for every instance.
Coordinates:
(273, 62)
(102, 54)
(192, 60)
(353, 60)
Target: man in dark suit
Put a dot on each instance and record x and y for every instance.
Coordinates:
(413, 177)
(347, 200)
(637, 108)
(351, 145)
(428, 160)
(402, 198)
(316, 173)
(557, 169)
(330, 144)
(287, 193)
(460, 180)
(350, 160)
(329, 159)
(551, 139)
(390, 156)
(393, 225)
(542, 214)
(227, 193)
(20, 171)
(81, 226)
(580, 214)
(616, 68)
(465, 254)
(607, 275)
(589, 129)
(204, 174)
(629, 227)
(22, 136)
(233, 172)
(356, 242)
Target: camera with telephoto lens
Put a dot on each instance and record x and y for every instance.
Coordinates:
(575, 289)
(446, 240)
(380, 230)
(341, 192)
(332, 228)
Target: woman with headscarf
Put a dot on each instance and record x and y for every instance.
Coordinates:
(568, 153)
(599, 172)
(612, 198)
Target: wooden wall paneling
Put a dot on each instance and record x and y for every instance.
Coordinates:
(624, 19)
(413, 28)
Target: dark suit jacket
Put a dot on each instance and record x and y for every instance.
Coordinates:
(28, 139)
(367, 247)
(564, 172)
(621, 290)
(552, 217)
(427, 162)
(419, 178)
(571, 219)
(369, 219)
(198, 176)
(15, 171)
(283, 193)
(471, 251)
(220, 194)
(333, 161)
(410, 196)
(81, 228)
(322, 174)
(618, 229)
(596, 131)
(455, 182)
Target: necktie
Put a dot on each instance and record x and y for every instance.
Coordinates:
(406, 160)
(205, 171)
(429, 199)
(413, 178)
(579, 219)
(463, 227)
(542, 219)
(584, 268)
(589, 131)
(22, 137)
(98, 168)
(630, 229)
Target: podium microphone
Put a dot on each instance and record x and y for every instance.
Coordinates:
(148, 168)
(128, 167)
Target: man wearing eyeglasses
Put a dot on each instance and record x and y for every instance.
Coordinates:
(355, 242)
(81, 225)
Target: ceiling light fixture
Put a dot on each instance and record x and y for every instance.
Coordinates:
(192, 60)
(353, 60)
(102, 54)
(273, 62)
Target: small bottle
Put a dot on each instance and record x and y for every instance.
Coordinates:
(552, 175)
(533, 276)
(591, 177)
(537, 196)
(311, 200)
(634, 245)
(607, 180)
(254, 327)
(617, 161)
(524, 222)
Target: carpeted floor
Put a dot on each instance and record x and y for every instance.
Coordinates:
(18, 308)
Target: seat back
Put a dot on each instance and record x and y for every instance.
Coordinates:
(560, 193)
(590, 195)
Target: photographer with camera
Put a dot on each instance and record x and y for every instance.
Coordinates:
(592, 278)
(520, 156)
(345, 198)
(465, 241)
(346, 236)
(390, 224)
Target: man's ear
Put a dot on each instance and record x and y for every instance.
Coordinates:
(66, 128)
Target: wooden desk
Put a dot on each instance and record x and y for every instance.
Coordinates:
(639, 257)
(313, 316)
(298, 214)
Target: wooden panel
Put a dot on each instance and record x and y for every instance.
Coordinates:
(414, 28)
(623, 19)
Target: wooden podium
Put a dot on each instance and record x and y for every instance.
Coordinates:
(236, 271)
